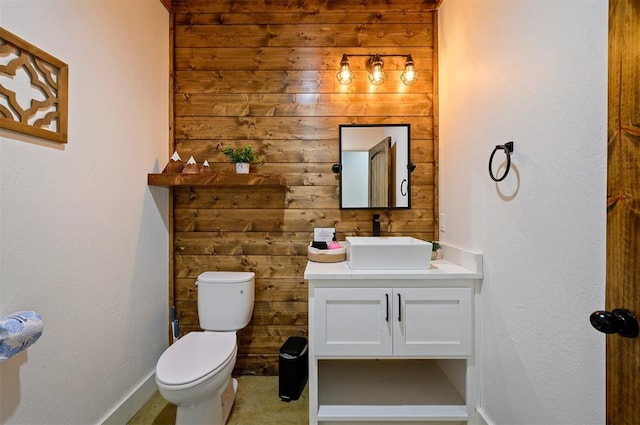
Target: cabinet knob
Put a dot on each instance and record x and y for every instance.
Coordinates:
(620, 321)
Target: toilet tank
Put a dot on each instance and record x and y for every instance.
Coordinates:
(225, 300)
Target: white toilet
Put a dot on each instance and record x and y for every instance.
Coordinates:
(194, 373)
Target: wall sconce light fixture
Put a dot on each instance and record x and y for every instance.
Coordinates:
(375, 66)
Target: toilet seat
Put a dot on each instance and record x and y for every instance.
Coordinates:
(195, 356)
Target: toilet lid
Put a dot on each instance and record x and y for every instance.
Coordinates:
(225, 277)
(195, 355)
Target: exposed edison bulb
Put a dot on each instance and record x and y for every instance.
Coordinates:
(345, 75)
(410, 75)
(376, 70)
(377, 75)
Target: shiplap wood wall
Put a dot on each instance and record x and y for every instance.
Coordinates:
(264, 73)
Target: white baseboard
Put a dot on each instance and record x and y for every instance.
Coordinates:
(484, 418)
(133, 402)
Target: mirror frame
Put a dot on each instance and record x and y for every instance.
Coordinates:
(337, 168)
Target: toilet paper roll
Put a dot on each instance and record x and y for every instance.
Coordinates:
(19, 331)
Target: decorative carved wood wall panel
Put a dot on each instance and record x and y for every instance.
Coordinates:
(33, 90)
(264, 73)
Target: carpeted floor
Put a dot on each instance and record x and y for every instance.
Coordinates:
(257, 403)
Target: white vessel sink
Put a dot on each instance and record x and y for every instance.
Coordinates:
(388, 253)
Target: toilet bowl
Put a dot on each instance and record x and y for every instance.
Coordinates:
(193, 374)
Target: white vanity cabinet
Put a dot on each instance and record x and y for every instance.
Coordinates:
(365, 321)
(391, 347)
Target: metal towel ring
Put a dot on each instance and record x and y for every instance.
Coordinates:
(508, 150)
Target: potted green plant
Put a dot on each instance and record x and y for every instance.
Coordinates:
(241, 156)
(435, 247)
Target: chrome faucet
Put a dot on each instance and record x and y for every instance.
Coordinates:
(376, 225)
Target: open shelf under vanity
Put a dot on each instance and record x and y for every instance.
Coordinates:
(387, 390)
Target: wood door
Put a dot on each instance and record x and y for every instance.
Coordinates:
(623, 212)
(393, 181)
(379, 174)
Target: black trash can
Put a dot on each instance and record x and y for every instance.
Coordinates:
(294, 368)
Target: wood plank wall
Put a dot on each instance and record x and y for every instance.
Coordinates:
(263, 73)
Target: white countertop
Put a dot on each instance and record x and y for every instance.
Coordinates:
(439, 269)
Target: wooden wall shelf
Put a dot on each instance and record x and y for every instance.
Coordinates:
(216, 179)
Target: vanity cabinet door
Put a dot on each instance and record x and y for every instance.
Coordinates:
(352, 321)
(432, 321)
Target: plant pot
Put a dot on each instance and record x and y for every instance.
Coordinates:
(242, 167)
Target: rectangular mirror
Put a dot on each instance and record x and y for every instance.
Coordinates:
(374, 166)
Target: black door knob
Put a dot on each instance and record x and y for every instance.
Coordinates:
(618, 321)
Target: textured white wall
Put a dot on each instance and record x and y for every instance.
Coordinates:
(533, 72)
(83, 240)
